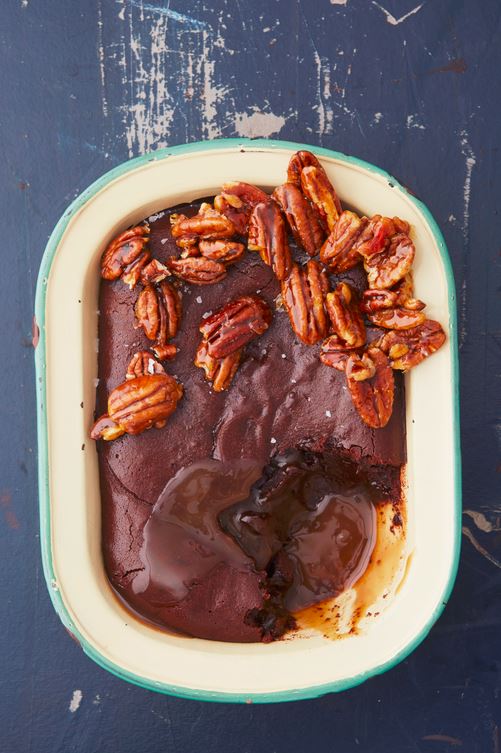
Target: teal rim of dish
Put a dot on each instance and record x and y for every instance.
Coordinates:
(312, 691)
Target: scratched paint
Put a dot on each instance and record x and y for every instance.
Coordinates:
(76, 700)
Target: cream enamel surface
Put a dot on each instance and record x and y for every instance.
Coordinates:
(71, 331)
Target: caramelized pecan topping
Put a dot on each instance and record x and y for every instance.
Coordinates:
(335, 353)
(137, 405)
(320, 191)
(126, 255)
(142, 363)
(223, 250)
(388, 267)
(297, 162)
(303, 218)
(397, 318)
(339, 252)
(154, 271)
(344, 312)
(208, 224)
(378, 300)
(219, 371)
(268, 236)
(378, 232)
(371, 385)
(237, 200)
(197, 270)
(409, 347)
(303, 294)
(158, 312)
(235, 324)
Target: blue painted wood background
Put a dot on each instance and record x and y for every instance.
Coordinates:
(413, 87)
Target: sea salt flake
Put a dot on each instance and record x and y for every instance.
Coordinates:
(328, 414)
(273, 440)
(198, 299)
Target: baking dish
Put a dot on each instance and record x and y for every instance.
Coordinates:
(66, 364)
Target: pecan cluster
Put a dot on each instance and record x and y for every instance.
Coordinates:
(224, 335)
(322, 307)
(339, 317)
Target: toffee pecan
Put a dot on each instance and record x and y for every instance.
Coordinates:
(219, 371)
(397, 318)
(142, 363)
(297, 163)
(388, 267)
(371, 385)
(224, 251)
(208, 224)
(344, 312)
(197, 270)
(378, 300)
(235, 324)
(158, 312)
(409, 347)
(268, 236)
(303, 295)
(377, 234)
(138, 404)
(405, 294)
(154, 271)
(320, 191)
(237, 200)
(339, 251)
(303, 218)
(335, 353)
(126, 255)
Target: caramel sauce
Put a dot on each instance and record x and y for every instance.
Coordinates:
(370, 593)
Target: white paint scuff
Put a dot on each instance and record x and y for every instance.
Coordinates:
(413, 122)
(324, 106)
(258, 124)
(470, 162)
(76, 700)
(391, 19)
(339, 2)
(100, 54)
(378, 116)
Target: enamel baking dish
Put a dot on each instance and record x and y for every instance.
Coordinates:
(66, 364)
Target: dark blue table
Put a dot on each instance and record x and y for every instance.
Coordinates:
(413, 87)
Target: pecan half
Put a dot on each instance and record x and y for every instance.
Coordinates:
(154, 271)
(268, 236)
(409, 347)
(339, 252)
(219, 371)
(142, 363)
(126, 255)
(344, 312)
(197, 270)
(388, 267)
(397, 318)
(377, 234)
(158, 311)
(208, 224)
(237, 200)
(235, 324)
(378, 300)
(138, 404)
(303, 218)
(297, 162)
(335, 353)
(223, 250)
(303, 294)
(405, 294)
(371, 385)
(320, 191)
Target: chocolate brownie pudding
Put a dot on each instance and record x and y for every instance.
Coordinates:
(238, 493)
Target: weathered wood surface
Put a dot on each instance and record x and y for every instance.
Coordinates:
(413, 87)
